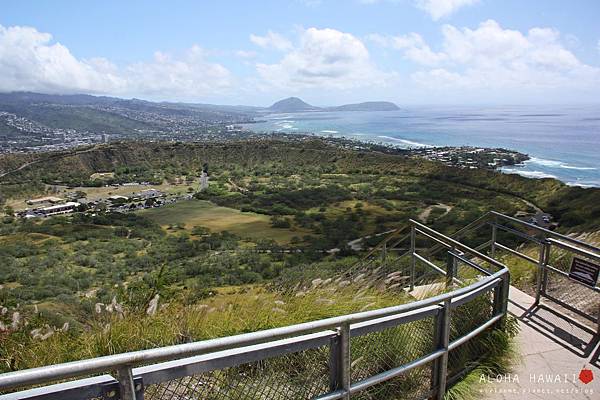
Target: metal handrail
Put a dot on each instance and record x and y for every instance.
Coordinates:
(472, 226)
(546, 232)
(90, 366)
(582, 252)
(457, 244)
(126, 361)
(546, 240)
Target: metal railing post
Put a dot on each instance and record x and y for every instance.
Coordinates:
(441, 341)
(334, 364)
(500, 302)
(497, 301)
(505, 292)
(493, 244)
(451, 265)
(598, 322)
(339, 361)
(412, 256)
(540, 272)
(344, 365)
(126, 384)
(545, 270)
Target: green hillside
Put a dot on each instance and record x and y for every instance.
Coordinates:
(396, 177)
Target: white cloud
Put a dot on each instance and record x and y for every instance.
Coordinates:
(190, 76)
(413, 45)
(271, 40)
(493, 57)
(324, 58)
(442, 8)
(30, 61)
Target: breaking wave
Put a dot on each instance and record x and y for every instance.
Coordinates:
(404, 141)
(556, 164)
(528, 174)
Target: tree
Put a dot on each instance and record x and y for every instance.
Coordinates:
(200, 230)
(278, 222)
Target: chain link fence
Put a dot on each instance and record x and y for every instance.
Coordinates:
(565, 290)
(463, 319)
(394, 353)
(302, 375)
(390, 348)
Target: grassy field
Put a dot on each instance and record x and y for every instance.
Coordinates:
(217, 219)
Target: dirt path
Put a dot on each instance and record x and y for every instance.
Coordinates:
(530, 204)
(426, 212)
(29, 163)
(356, 244)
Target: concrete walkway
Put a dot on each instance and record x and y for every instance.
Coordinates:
(553, 351)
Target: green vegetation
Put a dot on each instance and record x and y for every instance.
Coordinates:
(499, 356)
(284, 176)
(231, 310)
(237, 256)
(191, 214)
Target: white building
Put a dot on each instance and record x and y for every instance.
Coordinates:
(60, 209)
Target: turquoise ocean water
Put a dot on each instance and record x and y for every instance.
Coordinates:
(562, 141)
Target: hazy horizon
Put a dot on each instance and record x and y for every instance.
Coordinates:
(317, 104)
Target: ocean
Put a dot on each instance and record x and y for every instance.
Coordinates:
(562, 141)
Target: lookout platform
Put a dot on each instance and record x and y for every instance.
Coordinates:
(553, 351)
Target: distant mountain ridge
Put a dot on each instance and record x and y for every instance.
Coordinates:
(295, 104)
(292, 104)
(367, 106)
(28, 119)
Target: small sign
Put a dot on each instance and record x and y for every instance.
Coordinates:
(584, 271)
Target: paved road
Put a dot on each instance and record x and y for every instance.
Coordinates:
(554, 352)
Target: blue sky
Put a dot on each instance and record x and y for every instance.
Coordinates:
(327, 51)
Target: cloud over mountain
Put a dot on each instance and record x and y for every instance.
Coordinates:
(537, 64)
(31, 61)
(325, 58)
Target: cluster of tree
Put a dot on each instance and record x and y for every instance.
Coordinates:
(283, 158)
(80, 258)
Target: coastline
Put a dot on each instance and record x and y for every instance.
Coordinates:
(555, 150)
